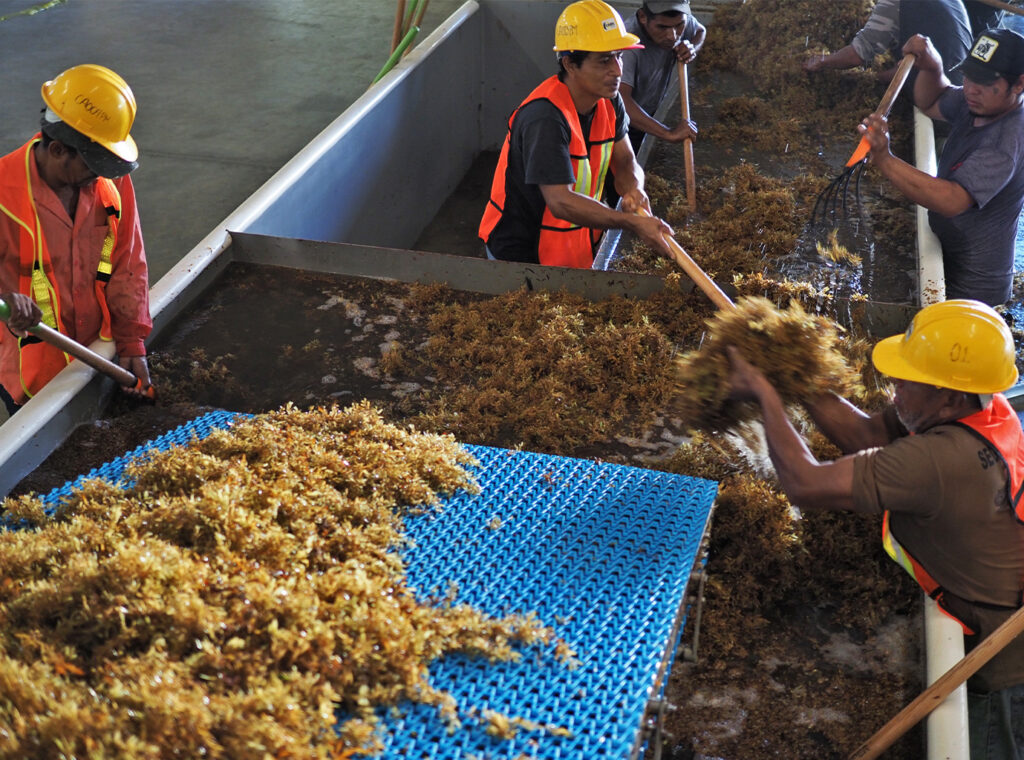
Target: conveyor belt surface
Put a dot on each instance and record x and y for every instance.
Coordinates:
(601, 552)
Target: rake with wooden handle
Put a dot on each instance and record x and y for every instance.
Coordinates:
(698, 275)
(828, 201)
(90, 357)
(398, 31)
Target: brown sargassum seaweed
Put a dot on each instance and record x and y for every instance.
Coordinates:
(243, 588)
(798, 352)
(552, 372)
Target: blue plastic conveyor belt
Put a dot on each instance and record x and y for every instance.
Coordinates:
(601, 552)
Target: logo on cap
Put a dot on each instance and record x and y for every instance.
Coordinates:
(984, 49)
(608, 24)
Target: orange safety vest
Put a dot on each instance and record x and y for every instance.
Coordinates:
(562, 243)
(999, 427)
(38, 361)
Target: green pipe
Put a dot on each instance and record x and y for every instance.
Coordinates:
(33, 10)
(397, 55)
(410, 15)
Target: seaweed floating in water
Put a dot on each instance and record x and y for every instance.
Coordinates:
(835, 251)
(549, 371)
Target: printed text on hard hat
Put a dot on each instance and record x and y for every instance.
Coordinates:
(88, 105)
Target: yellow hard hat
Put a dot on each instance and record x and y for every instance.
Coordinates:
(960, 344)
(97, 103)
(592, 26)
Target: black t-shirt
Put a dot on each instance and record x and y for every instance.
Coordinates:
(538, 154)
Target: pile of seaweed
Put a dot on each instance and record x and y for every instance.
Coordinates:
(551, 372)
(234, 595)
(748, 220)
(768, 41)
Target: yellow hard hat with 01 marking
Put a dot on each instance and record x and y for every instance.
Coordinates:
(961, 344)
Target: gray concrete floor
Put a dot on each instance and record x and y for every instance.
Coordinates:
(227, 90)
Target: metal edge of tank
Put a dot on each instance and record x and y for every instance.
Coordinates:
(477, 275)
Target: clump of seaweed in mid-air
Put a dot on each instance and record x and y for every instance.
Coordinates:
(797, 351)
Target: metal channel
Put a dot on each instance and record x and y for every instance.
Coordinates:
(652, 735)
(459, 272)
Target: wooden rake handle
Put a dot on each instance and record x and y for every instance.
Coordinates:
(934, 695)
(84, 354)
(397, 33)
(898, 80)
(691, 177)
(885, 104)
(700, 278)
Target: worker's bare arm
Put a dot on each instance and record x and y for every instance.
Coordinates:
(629, 176)
(643, 121)
(844, 58)
(931, 81)
(567, 204)
(808, 483)
(940, 195)
(845, 425)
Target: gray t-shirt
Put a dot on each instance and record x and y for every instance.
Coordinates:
(649, 71)
(893, 22)
(988, 162)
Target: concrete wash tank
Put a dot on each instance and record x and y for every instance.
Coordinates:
(369, 184)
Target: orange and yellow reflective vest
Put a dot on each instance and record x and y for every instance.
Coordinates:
(999, 426)
(39, 361)
(562, 243)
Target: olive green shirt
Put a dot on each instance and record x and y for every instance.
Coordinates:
(946, 490)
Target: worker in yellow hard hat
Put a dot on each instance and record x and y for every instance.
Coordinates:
(545, 204)
(71, 251)
(943, 465)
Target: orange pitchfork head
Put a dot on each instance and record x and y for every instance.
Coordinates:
(833, 197)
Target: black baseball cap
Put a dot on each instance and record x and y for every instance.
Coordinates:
(670, 7)
(995, 53)
(101, 162)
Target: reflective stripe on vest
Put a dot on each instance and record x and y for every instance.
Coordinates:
(562, 243)
(108, 195)
(1000, 428)
(38, 361)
